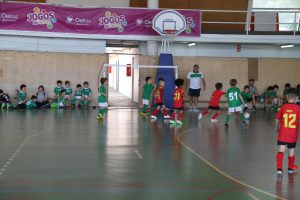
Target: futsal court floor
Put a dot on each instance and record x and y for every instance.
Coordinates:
(68, 154)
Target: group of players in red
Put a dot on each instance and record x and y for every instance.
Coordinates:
(287, 119)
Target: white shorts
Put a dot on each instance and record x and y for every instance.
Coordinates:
(145, 102)
(235, 109)
(61, 104)
(78, 97)
(275, 100)
(103, 105)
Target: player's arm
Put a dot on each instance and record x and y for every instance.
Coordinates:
(203, 83)
(241, 98)
(276, 125)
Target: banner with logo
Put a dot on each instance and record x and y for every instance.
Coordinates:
(101, 21)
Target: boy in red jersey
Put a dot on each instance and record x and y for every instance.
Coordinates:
(178, 102)
(214, 103)
(287, 125)
(159, 100)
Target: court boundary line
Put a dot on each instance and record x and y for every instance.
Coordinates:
(214, 167)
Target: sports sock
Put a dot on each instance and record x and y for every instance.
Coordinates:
(164, 111)
(227, 119)
(155, 112)
(144, 109)
(279, 159)
(173, 116)
(291, 162)
(180, 116)
(205, 112)
(243, 117)
(215, 116)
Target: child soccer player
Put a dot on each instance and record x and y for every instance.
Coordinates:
(62, 99)
(102, 99)
(178, 102)
(86, 94)
(214, 103)
(287, 125)
(247, 97)
(147, 93)
(4, 100)
(159, 100)
(235, 102)
(268, 98)
(78, 95)
(69, 90)
(58, 89)
(287, 86)
(31, 104)
(22, 97)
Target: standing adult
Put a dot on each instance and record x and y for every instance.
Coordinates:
(196, 81)
(253, 92)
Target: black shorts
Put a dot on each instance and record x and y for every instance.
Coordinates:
(180, 108)
(214, 107)
(194, 92)
(159, 104)
(289, 145)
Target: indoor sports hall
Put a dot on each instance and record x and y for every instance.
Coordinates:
(149, 99)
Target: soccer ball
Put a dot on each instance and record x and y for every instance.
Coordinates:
(247, 115)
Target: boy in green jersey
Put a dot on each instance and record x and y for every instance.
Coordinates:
(22, 97)
(58, 89)
(235, 102)
(62, 99)
(147, 93)
(77, 101)
(31, 104)
(102, 99)
(86, 94)
(247, 96)
(69, 91)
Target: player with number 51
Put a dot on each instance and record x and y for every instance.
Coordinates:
(287, 125)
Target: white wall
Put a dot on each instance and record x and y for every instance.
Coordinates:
(99, 3)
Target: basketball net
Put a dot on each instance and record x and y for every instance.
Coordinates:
(167, 37)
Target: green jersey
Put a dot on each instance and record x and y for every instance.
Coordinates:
(78, 93)
(57, 90)
(31, 104)
(69, 91)
(233, 97)
(148, 88)
(246, 96)
(86, 92)
(102, 98)
(22, 96)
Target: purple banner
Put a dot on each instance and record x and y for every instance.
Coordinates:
(101, 21)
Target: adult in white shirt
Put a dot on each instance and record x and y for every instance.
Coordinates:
(196, 81)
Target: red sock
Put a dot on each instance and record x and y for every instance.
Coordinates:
(155, 112)
(215, 116)
(279, 159)
(173, 116)
(205, 112)
(164, 111)
(180, 116)
(291, 162)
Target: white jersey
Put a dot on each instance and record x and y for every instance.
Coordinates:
(195, 80)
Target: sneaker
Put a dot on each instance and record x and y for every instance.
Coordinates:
(179, 122)
(200, 116)
(167, 117)
(172, 122)
(100, 116)
(214, 120)
(153, 117)
(226, 125)
(143, 113)
(279, 172)
(291, 171)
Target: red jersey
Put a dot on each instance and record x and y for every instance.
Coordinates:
(159, 95)
(178, 97)
(289, 116)
(215, 98)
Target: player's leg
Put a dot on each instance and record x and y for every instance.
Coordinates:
(172, 120)
(215, 116)
(155, 112)
(280, 156)
(145, 106)
(254, 102)
(291, 165)
(228, 117)
(204, 113)
(164, 110)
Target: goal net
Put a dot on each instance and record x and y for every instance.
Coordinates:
(125, 82)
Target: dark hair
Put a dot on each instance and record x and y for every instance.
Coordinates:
(251, 80)
(85, 83)
(78, 85)
(62, 91)
(233, 82)
(33, 97)
(275, 86)
(67, 82)
(41, 86)
(103, 80)
(179, 82)
(161, 79)
(292, 93)
(218, 86)
(246, 87)
(1, 91)
(270, 88)
(148, 78)
(298, 86)
(195, 65)
(59, 82)
(287, 85)
(22, 86)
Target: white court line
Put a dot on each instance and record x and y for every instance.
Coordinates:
(139, 155)
(252, 196)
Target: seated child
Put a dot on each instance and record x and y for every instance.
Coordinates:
(287, 86)
(277, 101)
(178, 102)
(69, 91)
(268, 98)
(102, 99)
(86, 94)
(77, 101)
(58, 89)
(62, 99)
(42, 97)
(214, 103)
(32, 103)
(4, 100)
(247, 96)
(22, 97)
(147, 93)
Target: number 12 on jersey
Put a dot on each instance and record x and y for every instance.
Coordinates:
(289, 120)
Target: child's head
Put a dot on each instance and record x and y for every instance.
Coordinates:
(41, 88)
(103, 81)
(161, 81)
(298, 87)
(179, 82)
(67, 83)
(33, 97)
(246, 88)
(23, 87)
(291, 95)
(62, 93)
(78, 86)
(85, 84)
(233, 82)
(270, 88)
(275, 88)
(196, 68)
(251, 82)
(218, 86)
(287, 86)
(148, 79)
(59, 83)
(1, 91)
